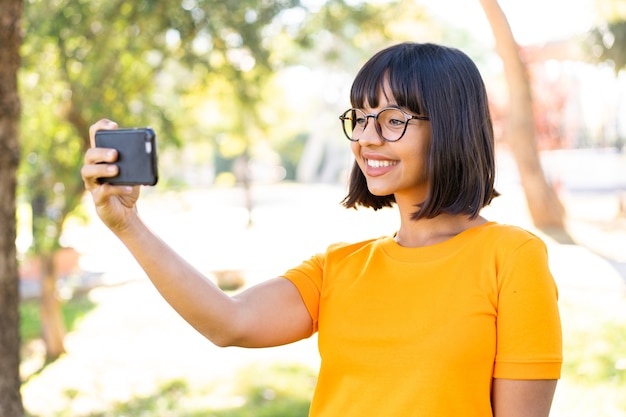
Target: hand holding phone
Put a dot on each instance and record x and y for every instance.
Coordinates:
(136, 155)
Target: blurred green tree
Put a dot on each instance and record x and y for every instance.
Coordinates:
(608, 41)
(135, 62)
(83, 60)
(10, 41)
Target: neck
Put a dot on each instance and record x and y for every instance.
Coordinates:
(426, 232)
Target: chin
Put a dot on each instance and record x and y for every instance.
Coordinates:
(379, 191)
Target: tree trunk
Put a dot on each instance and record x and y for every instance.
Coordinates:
(51, 318)
(544, 206)
(10, 41)
(49, 302)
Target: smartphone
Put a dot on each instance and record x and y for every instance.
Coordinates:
(136, 155)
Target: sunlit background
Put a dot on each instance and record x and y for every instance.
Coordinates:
(252, 170)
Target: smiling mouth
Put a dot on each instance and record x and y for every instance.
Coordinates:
(375, 163)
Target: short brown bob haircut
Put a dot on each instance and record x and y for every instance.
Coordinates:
(444, 84)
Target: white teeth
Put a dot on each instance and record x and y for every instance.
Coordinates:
(379, 164)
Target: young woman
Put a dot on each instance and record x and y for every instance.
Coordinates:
(451, 315)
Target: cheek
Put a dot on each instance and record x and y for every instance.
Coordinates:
(356, 149)
(424, 150)
(425, 161)
(420, 155)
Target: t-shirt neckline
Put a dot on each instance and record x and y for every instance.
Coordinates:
(431, 252)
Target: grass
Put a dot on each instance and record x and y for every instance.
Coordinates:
(268, 391)
(72, 310)
(594, 368)
(598, 355)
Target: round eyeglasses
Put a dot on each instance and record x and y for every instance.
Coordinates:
(390, 123)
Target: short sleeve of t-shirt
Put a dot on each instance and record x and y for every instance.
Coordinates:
(528, 322)
(308, 279)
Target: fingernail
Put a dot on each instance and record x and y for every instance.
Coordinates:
(111, 168)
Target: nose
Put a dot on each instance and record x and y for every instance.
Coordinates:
(370, 135)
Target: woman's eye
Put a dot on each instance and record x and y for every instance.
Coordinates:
(360, 121)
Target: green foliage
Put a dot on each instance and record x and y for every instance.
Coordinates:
(290, 153)
(73, 311)
(151, 62)
(30, 324)
(131, 62)
(598, 355)
(195, 69)
(608, 43)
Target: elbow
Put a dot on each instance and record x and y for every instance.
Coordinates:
(233, 338)
(224, 341)
(224, 337)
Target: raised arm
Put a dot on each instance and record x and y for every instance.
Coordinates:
(271, 313)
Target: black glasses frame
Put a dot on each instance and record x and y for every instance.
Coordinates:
(407, 116)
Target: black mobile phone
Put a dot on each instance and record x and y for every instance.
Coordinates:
(136, 155)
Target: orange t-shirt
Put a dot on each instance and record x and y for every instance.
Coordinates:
(422, 331)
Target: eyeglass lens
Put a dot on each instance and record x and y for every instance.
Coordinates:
(390, 123)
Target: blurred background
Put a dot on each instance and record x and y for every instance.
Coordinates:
(245, 96)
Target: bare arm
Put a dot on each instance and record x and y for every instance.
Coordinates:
(268, 314)
(522, 398)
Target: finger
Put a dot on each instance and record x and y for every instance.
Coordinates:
(102, 124)
(91, 173)
(100, 155)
